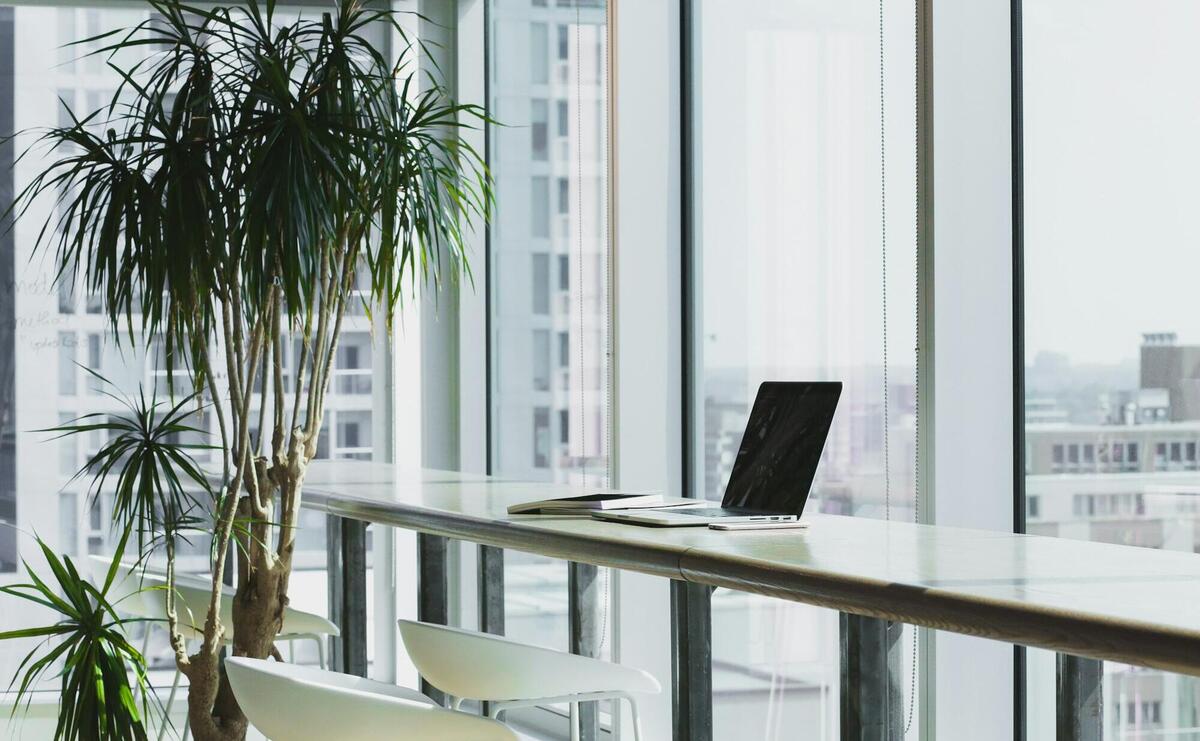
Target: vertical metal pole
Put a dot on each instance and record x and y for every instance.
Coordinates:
(872, 696)
(432, 591)
(491, 593)
(346, 551)
(691, 661)
(586, 615)
(491, 590)
(1080, 707)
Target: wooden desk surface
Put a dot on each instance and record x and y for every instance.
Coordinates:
(1134, 605)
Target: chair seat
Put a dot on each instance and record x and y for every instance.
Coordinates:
(474, 665)
(291, 703)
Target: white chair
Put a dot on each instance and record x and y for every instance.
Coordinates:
(506, 674)
(142, 593)
(294, 703)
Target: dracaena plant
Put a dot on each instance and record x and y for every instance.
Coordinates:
(87, 646)
(250, 172)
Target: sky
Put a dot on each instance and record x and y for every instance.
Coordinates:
(1112, 190)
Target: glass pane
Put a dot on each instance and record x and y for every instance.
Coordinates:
(1112, 338)
(57, 329)
(791, 283)
(549, 297)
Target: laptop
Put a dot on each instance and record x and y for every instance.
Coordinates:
(775, 464)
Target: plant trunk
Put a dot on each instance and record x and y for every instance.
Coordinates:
(258, 607)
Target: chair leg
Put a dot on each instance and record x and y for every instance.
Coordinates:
(166, 721)
(145, 648)
(637, 721)
(455, 702)
(575, 733)
(320, 650)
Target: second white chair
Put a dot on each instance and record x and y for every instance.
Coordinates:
(295, 703)
(476, 666)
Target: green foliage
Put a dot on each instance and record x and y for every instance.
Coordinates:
(96, 699)
(153, 467)
(243, 154)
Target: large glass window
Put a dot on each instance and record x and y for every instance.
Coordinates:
(1112, 337)
(549, 272)
(802, 274)
(51, 332)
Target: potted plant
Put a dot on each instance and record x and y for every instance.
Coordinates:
(250, 171)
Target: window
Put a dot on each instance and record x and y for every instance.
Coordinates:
(539, 134)
(67, 368)
(564, 44)
(539, 206)
(564, 273)
(787, 125)
(550, 419)
(1099, 331)
(564, 196)
(563, 118)
(62, 328)
(541, 437)
(541, 360)
(539, 54)
(540, 283)
(352, 373)
(1058, 454)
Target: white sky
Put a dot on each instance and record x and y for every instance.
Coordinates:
(1112, 175)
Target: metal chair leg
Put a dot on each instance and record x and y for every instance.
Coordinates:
(637, 721)
(166, 721)
(575, 733)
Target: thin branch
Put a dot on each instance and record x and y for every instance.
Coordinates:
(277, 369)
(178, 645)
(225, 521)
(263, 396)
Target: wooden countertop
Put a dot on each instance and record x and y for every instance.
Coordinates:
(1133, 605)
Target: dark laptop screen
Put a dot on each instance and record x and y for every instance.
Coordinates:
(782, 446)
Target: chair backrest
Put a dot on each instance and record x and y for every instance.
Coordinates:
(289, 705)
(479, 666)
(141, 593)
(132, 588)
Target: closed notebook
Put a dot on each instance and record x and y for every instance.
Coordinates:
(585, 503)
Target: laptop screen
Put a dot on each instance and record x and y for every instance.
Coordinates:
(782, 446)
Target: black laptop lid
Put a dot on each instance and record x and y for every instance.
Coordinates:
(782, 446)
